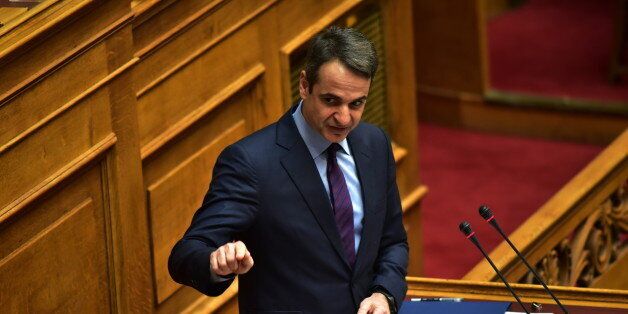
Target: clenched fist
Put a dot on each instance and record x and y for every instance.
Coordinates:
(231, 258)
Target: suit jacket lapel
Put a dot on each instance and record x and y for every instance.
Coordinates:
(361, 156)
(302, 170)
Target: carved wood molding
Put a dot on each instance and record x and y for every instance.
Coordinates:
(595, 245)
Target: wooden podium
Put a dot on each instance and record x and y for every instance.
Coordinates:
(576, 300)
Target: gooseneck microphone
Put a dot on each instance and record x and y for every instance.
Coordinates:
(465, 227)
(487, 214)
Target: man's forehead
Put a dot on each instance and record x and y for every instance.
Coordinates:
(342, 93)
(336, 69)
(338, 80)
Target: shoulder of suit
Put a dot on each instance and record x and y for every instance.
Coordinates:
(370, 132)
(257, 144)
(262, 136)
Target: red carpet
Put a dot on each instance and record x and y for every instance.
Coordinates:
(462, 170)
(555, 48)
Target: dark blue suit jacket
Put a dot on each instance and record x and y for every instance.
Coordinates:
(267, 192)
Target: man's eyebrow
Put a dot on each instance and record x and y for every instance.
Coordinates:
(326, 95)
(360, 99)
(330, 95)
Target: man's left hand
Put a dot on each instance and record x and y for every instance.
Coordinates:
(375, 304)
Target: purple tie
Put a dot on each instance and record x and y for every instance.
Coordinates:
(341, 202)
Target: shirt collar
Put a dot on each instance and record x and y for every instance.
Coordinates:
(314, 141)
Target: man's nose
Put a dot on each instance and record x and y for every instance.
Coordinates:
(343, 117)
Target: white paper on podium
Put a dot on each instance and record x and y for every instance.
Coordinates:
(524, 313)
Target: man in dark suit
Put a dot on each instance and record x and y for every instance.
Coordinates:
(306, 211)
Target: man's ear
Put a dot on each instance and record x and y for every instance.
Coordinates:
(303, 85)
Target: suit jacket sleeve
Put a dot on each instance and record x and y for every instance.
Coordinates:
(392, 261)
(229, 208)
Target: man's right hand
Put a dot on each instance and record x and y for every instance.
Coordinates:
(231, 258)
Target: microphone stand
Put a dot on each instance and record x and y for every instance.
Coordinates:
(486, 213)
(465, 227)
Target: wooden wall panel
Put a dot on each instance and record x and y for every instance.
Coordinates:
(156, 24)
(54, 254)
(224, 116)
(58, 143)
(187, 89)
(42, 49)
(68, 113)
(27, 108)
(192, 37)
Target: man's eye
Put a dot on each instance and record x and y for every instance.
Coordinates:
(357, 103)
(329, 100)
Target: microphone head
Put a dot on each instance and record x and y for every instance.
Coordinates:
(485, 212)
(465, 227)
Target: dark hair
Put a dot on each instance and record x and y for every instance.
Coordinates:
(348, 46)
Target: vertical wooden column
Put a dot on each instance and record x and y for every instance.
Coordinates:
(129, 228)
(401, 93)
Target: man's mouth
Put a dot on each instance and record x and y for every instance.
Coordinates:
(337, 129)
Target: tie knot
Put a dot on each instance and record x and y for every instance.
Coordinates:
(332, 149)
